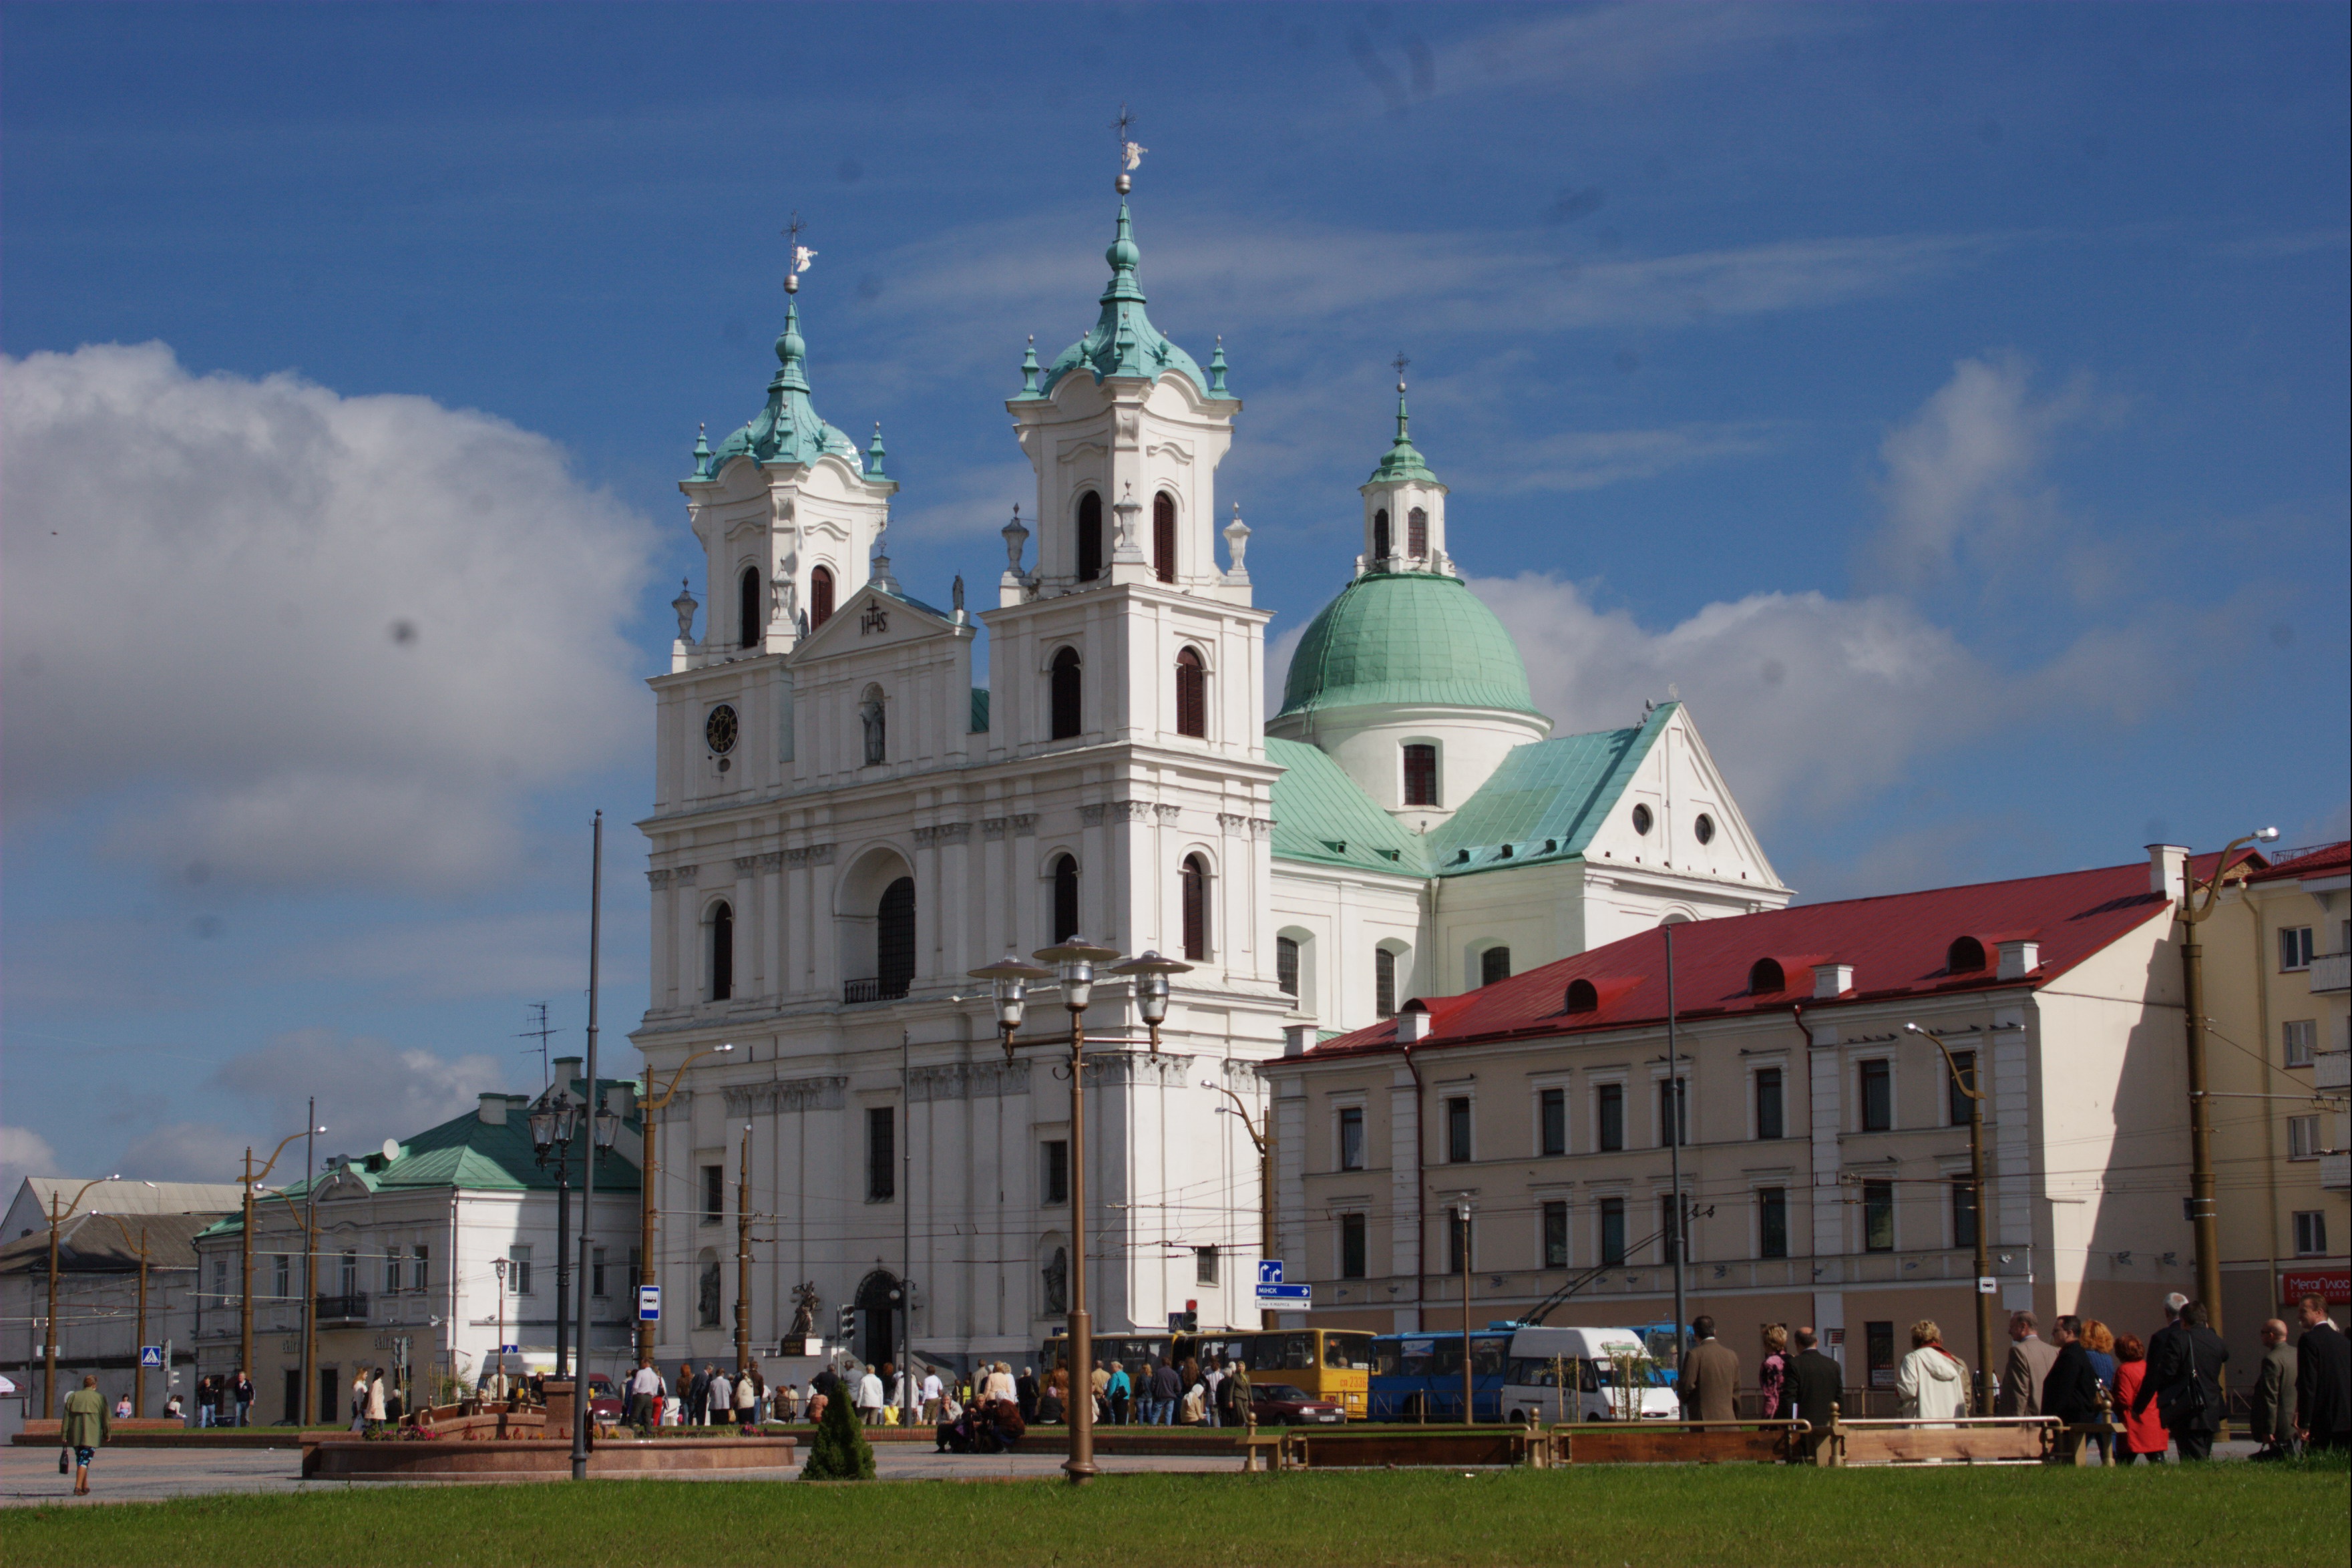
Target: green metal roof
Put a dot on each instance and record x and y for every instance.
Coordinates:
(1405, 637)
(1403, 461)
(1320, 815)
(1546, 801)
(789, 430)
(1122, 341)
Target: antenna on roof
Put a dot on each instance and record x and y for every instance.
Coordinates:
(541, 1033)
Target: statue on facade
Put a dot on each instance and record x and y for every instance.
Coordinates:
(804, 1299)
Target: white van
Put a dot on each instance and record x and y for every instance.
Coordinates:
(1584, 1374)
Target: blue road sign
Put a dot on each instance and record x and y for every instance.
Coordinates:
(510, 1350)
(1300, 1294)
(151, 1355)
(1269, 1271)
(649, 1303)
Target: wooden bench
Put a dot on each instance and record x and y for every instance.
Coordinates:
(1262, 1450)
(1965, 1440)
(1679, 1442)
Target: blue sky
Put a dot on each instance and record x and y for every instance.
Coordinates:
(1948, 402)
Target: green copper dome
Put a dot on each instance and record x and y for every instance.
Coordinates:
(1406, 638)
(789, 430)
(1123, 340)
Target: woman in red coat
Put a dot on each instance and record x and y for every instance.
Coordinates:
(2142, 1435)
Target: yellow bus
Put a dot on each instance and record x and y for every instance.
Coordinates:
(1330, 1364)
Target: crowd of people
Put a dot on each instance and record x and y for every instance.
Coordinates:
(2129, 1400)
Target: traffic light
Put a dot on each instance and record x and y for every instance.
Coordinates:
(845, 1324)
(1183, 1322)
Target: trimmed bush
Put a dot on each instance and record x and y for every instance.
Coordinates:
(840, 1451)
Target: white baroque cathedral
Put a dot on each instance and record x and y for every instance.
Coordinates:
(845, 826)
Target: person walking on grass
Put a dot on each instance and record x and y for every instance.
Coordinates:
(241, 1391)
(2323, 1379)
(1708, 1379)
(2273, 1414)
(2138, 1435)
(2184, 1383)
(1932, 1381)
(84, 1429)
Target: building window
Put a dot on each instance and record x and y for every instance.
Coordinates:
(1584, 996)
(2302, 1039)
(1385, 978)
(1703, 828)
(1878, 1217)
(1878, 1349)
(1351, 1137)
(747, 607)
(1674, 1113)
(1877, 1095)
(2310, 1233)
(2295, 947)
(1191, 694)
(636, 1269)
(1770, 1122)
(1964, 1213)
(1643, 820)
(1612, 1230)
(420, 1269)
(1772, 1222)
(881, 1154)
(1163, 539)
(1551, 1121)
(1417, 533)
(390, 1271)
(1065, 898)
(347, 1277)
(1960, 1079)
(2303, 1137)
(1204, 1265)
(714, 1194)
(596, 1271)
(1351, 1247)
(1063, 680)
(1090, 539)
(519, 1271)
(281, 1277)
(1380, 537)
(1494, 964)
(1672, 1236)
(1555, 1235)
(1286, 966)
(874, 719)
(220, 1279)
(722, 952)
(1766, 978)
(819, 596)
(1460, 1245)
(1609, 1111)
(1193, 886)
(1053, 1175)
(1419, 775)
(894, 939)
(705, 1295)
(1457, 1130)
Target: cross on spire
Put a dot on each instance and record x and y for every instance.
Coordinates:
(1131, 153)
(1401, 362)
(797, 257)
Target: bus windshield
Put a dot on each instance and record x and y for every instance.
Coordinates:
(1347, 1353)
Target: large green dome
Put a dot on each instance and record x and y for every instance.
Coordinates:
(1406, 638)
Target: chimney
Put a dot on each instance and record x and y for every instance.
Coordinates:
(1830, 979)
(1413, 1024)
(493, 1111)
(569, 1070)
(2167, 870)
(620, 1100)
(1297, 1040)
(2020, 959)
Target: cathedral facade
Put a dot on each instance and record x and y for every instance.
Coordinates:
(845, 826)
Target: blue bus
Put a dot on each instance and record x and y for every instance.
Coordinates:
(1418, 1377)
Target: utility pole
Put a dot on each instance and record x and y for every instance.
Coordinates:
(311, 1263)
(139, 1375)
(743, 1257)
(1973, 1085)
(1469, 1385)
(57, 1218)
(1678, 1228)
(588, 1173)
(2206, 1220)
(1262, 1141)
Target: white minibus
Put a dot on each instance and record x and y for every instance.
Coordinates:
(1584, 1374)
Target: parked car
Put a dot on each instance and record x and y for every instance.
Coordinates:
(1285, 1404)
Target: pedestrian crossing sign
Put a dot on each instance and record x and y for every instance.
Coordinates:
(151, 1355)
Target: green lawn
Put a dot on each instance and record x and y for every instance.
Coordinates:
(2227, 1514)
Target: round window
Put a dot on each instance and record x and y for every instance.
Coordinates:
(719, 729)
(1643, 820)
(1705, 829)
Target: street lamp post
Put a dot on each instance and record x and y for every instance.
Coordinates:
(1469, 1385)
(553, 1124)
(2200, 1123)
(244, 1247)
(1973, 1085)
(1264, 1143)
(499, 1268)
(139, 1375)
(57, 1218)
(646, 1109)
(743, 1257)
(1074, 960)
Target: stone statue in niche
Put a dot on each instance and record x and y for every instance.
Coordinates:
(869, 714)
(1057, 1282)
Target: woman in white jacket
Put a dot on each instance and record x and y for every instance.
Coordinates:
(1932, 1381)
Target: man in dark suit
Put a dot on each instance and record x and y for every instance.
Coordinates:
(2184, 1379)
(1709, 1380)
(2322, 1380)
(2273, 1414)
(2070, 1391)
(1813, 1388)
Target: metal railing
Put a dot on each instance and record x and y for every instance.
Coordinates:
(342, 1309)
(870, 990)
(2331, 972)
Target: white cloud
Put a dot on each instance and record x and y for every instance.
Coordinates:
(23, 1153)
(368, 1090)
(195, 1152)
(1589, 459)
(544, 953)
(344, 637)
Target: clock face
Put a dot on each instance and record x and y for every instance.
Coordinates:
(719, 729)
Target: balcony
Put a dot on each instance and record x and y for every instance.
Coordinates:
(2332, 1070)
(2331, 972)
(334, 1310)
(2335, 1172)
(854, 992)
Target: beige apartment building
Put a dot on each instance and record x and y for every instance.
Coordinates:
(2276, 949)
(1825, 1160)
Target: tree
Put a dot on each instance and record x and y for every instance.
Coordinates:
(839, 1451)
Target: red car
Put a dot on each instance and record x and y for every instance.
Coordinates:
(1282, 1404)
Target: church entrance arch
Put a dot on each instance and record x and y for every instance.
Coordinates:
(878, 1298)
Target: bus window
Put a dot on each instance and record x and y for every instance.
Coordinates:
(1423, 1357)
(1487, 1354)
(1285, 1352)
(1386, 1360)
(1445, 1359)
(1532, 1372)
(1587, 1379)
(1347, 1353)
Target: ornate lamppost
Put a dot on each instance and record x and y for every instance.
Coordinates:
(553, 1124)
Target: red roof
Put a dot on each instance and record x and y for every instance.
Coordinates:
(1899, 945)
(2328, 861)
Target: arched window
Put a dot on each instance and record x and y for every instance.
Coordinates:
(1065, 898)
(1064, 694)
(1584, 996)
(876, 722)
(1163, 537)
(747, 607)
(1385, 979)
(1196, 879)
(1421, 775)
(1765, 978)
(1494, 964)
(1380, 537)
(819, 596)
(1417, 533)
(1285, 965)
(722, 953)
(1964, 956)
(1090, 539)
(894, 939)
(1191, 694)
